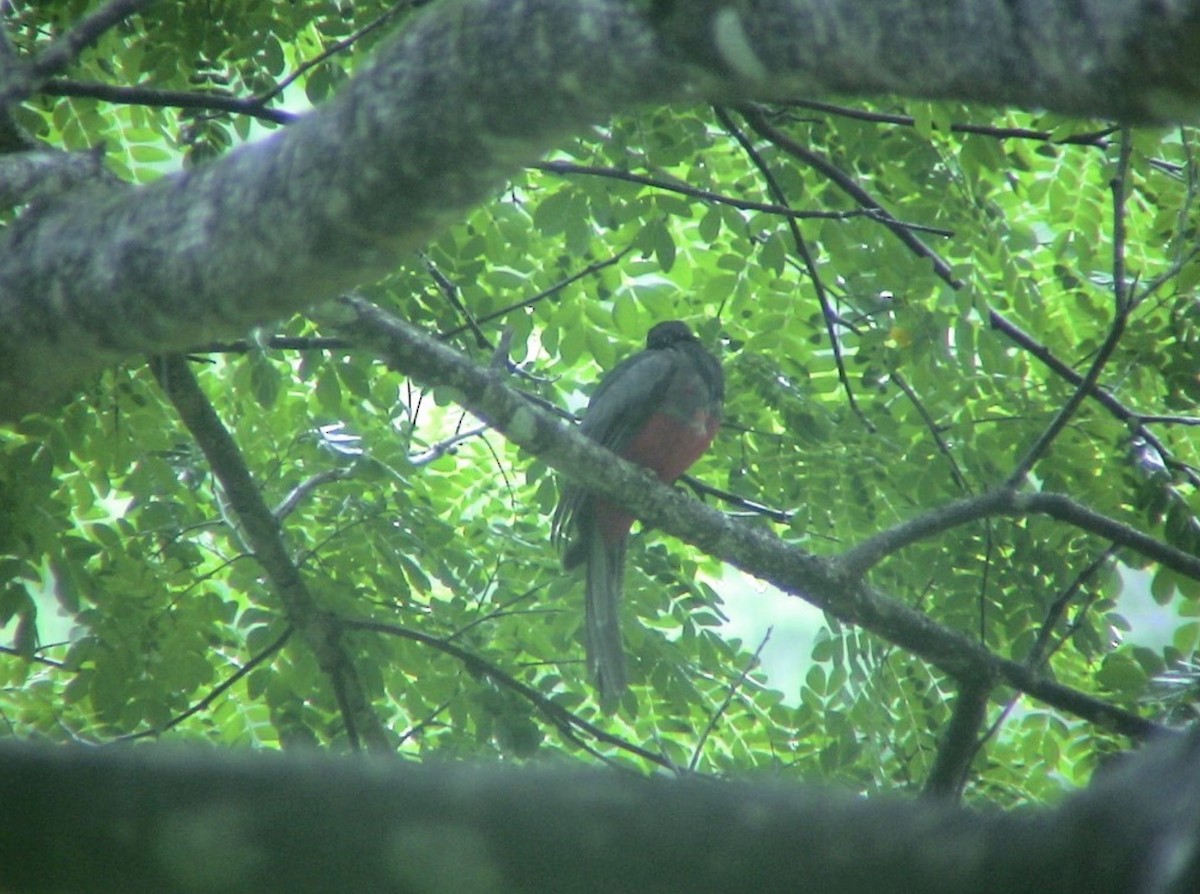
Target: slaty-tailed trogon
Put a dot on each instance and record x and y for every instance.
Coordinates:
(659, 408)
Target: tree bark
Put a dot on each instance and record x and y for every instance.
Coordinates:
(469, 91)
(151, 820)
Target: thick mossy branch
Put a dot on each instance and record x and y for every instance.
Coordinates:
(470, 90)
(140, 820)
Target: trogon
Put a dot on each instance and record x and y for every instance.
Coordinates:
(660, 409)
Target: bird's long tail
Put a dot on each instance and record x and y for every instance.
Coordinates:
(605, 583)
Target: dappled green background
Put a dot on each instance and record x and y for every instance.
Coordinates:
(109, 515)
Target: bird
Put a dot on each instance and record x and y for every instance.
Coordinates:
(659, 408)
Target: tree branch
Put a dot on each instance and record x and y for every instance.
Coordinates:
(568, 724)
(568, 169)
(866, 555)
(145, 821)
(1102, 395)
(827, 313)
(758, 122)
(1005, 501)
(24, 80)
(1063, 508)
(440, 116)
(216, 692)
(1121, 309)
(1097, 139)
(834, 585)
(960, 744)
(261, 530)
(253, 106)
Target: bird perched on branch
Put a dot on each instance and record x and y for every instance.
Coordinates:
(660, 409)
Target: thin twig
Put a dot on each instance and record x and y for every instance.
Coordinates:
(1040, 652)
(589, 270)
(276, 342)
(827, 312)
(1116, 330)
(567, 169)
(450, 291)
(943, 448)
(1096, 139)
(730, 692)
(441, 448)
(216, 692)
(298, 493)
(153, 97)
(566, 722)
(849, 186)
(37, 659)
(1098, 393)
(337, 46)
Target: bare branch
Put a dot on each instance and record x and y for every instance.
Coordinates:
(1005, 501)
(1097, 139)
(441, 448)
(302, 490)
(730, 691)
(567, 169)
(959, 746)
(276, 342)
(550, 292)
(866, 555)
(960, 480)
(1041, 650)
(1063, 508)
(1102, 395)
(827, 313)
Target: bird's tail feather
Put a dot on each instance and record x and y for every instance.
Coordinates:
(606, 657)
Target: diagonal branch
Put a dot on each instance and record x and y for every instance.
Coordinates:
(216, 692)
(960, 744)
(261, 530)
(1122, 307)
(847, 184)
(1097, 139)
(810, 266)
(155, 97)
(830, 584)
(568, 724)
(567, 168)
(1139, 421)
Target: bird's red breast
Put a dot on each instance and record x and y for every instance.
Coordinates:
(667, 445)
